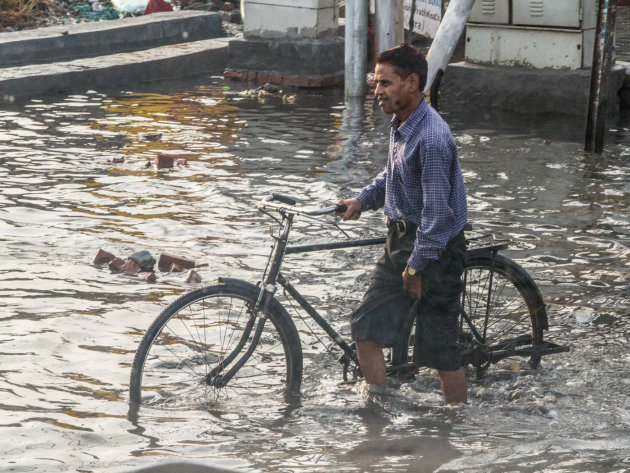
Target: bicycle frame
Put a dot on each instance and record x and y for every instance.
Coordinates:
(273, 276)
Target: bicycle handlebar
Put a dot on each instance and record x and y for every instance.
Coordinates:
(288, 204)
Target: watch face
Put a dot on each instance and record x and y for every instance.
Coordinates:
(411, 271)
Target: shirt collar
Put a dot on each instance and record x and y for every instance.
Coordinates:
(410, 124)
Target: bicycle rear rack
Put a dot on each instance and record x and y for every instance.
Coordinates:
(485, 244)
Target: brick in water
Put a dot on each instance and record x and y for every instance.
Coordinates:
(130, 267)
(103, 257)
(192, 277)
(116, 264)
(163, 161)
(232, 74)
(167, 261)
(148, 276)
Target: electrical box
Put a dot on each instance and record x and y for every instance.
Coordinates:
(273, 19)
(555, 13)
(557, 34)
(490, 11)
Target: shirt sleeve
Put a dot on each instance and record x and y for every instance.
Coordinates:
(373, 196)
(437, 216)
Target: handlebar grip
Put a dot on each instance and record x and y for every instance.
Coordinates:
(284, 199)
(341, 208)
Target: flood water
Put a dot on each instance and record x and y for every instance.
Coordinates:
(69, 328)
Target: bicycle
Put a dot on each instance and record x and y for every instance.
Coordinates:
(236, 337)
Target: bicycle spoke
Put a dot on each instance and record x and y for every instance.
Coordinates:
(202, 334)
(496, 302)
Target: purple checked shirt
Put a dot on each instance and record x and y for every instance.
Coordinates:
(422, 183)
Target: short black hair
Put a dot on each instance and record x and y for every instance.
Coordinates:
(407, 59)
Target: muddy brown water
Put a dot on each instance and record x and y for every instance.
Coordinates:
(69, 328)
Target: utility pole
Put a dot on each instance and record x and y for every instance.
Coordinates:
(390, 30)
(600, 77)
(355, 48)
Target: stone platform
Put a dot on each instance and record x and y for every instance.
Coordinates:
(524, 90)
(111, 53)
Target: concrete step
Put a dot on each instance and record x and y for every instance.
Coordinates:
(90, 39)
(103, 72)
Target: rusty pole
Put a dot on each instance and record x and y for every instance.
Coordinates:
(600, 77)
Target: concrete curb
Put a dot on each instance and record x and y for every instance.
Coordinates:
(67, 42)
(523, 89)
(166, 62)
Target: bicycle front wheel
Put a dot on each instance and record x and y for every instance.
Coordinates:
(502, 311)
(202, 334)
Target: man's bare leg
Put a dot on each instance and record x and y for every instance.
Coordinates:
(453, 385)
(372, 362)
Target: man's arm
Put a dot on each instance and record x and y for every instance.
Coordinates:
(437, 216)
(371, 197)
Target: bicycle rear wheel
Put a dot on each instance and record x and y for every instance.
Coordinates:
(502, 312)
(192, 339)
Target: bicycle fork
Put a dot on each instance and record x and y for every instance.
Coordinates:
(214, 378)
(267, 291)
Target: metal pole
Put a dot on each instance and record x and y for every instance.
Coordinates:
(600, 77)
(446, 38)
(355, 48)
(389, 27)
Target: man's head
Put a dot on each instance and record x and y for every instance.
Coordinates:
(406, 60)
(400, 75)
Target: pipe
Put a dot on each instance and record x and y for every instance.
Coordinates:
(600, 77)
(389, 27)
(446, 38)
(355, 48)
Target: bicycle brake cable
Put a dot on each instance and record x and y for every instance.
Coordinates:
(325, 222)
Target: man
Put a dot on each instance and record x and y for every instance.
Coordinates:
(422, 192)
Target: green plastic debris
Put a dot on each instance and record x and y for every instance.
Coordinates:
(86, 12)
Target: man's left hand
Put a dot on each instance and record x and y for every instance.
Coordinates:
(412, 284)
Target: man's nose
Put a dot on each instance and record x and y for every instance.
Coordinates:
(378, 90)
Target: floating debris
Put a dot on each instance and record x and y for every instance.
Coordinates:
(168, 261)
(192, 277)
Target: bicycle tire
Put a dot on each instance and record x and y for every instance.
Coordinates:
(515, 308)
(194, 333)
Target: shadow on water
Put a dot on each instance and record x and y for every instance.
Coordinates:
(70, 328)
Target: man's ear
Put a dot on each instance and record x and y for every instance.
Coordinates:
(414, 81)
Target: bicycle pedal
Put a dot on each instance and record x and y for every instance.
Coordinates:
(402, 371)
(353, 381)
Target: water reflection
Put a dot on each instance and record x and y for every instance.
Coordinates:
(70, 328)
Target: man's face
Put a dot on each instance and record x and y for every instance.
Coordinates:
(394, 93)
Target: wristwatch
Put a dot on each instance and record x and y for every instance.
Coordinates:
(411, 271)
